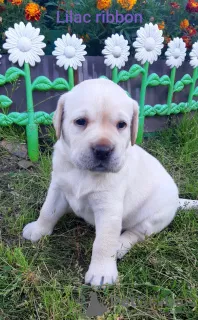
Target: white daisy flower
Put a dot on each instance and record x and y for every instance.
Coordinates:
(194, 55)
(0, 58)
(69, 51)
(148, 44)
(176, 53)
(116, 51)
(24, 44)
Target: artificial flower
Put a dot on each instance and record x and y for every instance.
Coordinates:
(116, 51)
(184, 24)
(187, 41)
(69, 51)
(24, 44)
(176, 53)
(191, 31)
(192, 6)
(32, 12)
(149, 43)
(104, 4)
(161, 25)
(194, 55)
(127, 4)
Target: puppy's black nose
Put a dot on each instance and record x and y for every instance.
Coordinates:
(102, 152)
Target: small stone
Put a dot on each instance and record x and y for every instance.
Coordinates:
(15, 148)
(24, 164)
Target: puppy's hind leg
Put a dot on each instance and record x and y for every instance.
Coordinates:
(151, 225)
(54, 207)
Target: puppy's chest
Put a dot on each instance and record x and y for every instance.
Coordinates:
(76, 193)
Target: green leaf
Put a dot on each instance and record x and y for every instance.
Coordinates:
(186, 79)
(2, 80)
(123, 75)
(135, 70)
(5, 102)
(195, 94)
(165, 80)
(178, 86)
(153, 80)
(60, 84)
(42, 84)
(13, 73)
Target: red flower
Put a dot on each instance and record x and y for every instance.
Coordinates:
(2, 8)
(175, 5)
(192, 6)
(191, 31)
(187, 41)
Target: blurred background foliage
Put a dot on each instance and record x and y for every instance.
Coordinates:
(175, 18)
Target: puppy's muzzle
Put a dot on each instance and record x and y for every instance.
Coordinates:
(102, 152)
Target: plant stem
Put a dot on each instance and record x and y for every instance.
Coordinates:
(192, 87)
(71, 77)
(32, 127)
(142, 102)
(171, 88)
(115, 74)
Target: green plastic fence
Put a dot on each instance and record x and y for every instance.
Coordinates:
(31, 119)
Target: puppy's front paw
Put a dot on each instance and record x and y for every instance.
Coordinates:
(34, 231)
(99, 275)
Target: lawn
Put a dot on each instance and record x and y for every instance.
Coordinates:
(158, 278)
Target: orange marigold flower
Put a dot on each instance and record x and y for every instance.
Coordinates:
(184, 24)
(32, 11)
(127, 4)
(16, 2)
(1, 1)
(187, 41)
(104, 4)
(161, 25)
(191, 31)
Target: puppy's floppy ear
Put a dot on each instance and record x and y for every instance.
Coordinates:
(58, 115)
(134, 122)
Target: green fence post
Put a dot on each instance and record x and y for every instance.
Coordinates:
(192, 87)
(115, 74)
(142, 102)
(71, 77)
(171, 89)
(32, 127)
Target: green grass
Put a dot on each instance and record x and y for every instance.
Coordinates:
(158, 278)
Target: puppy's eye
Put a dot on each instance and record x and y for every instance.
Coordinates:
(81, 122)
(121, 125)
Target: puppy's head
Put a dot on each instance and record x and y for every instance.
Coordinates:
(97, 121)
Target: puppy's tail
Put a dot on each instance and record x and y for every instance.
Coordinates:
(188, 204)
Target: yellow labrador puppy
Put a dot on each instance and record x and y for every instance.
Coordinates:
(100, 174)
